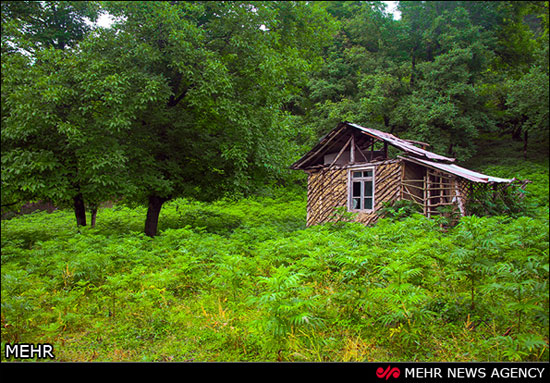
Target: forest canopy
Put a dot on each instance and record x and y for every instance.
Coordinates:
(216, 99)
(189, 114)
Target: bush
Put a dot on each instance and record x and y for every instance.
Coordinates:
(246, 280)
(398, 209)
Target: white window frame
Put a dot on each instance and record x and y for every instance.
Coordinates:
(362, 179)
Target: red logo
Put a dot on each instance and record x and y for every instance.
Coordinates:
(394, 372)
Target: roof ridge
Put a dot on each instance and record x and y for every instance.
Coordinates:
(401, 143)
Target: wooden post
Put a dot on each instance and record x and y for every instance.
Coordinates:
(361, 153)
(340, 152)
(430, 194)
(352, 149)
(459, 198)
(425, 194)
(402, 174)
(441, 191)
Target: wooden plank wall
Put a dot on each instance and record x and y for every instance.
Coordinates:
(328, 189)
(387, 187)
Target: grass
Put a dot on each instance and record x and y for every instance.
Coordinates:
(246, 281)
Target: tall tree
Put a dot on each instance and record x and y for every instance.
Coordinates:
(179, 98)
(528, 98)
(521, 86)
(442, 73)
(368, 42)
(36, 25)
(224, 71)
(60, 138)
(446, 105)
(35, 36)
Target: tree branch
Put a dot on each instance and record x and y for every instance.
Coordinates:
(173, 101)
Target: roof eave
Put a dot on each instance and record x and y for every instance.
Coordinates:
(401, 144)
(459, 171)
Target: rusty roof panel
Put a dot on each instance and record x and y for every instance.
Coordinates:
(402, 144)
(399, 143)
(460, 171)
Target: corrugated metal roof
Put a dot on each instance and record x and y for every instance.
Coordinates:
(402, 144)
(460, 171)
(426, 158)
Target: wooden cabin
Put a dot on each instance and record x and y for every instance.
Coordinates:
(350, 168)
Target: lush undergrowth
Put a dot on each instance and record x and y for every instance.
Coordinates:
(246, 281)
(502, 157)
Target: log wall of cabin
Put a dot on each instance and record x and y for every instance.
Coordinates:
(328, 189)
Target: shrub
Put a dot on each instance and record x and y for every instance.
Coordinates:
(398, 209)
(267, 288)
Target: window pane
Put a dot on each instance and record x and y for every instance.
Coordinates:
(367, 173)
(368, 189)
(356, 174)
(356, 203)
(356, 189)
(368, 203)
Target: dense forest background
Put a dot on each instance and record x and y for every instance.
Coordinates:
(187, 115)
(210, 100)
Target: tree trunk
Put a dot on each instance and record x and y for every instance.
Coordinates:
(525, 144)
(516, 134)
(386, 120)
(518, 127)
(450, 149)
(153, 211)
(94, 214)
(79, 210)
(413, 66)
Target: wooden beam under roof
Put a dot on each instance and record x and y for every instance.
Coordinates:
(333, 139)
(341, 151)
(319, 147)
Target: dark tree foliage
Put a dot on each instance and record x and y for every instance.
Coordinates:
(36, 40)
(215, 99)
(446, 72)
